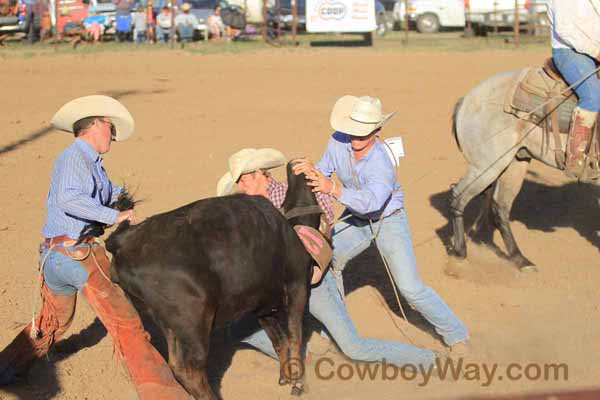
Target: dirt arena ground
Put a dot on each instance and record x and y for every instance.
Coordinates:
(192, 111)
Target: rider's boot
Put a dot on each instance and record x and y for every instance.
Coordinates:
(580, 135)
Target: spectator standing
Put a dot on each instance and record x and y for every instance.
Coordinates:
(185, 23)
(139, 24)
(150, 22)
(163, 25)
(123, 20)
(32, 14)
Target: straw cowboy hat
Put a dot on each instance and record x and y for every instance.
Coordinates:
(248, 160)
(186, 6)
(358, 116)
(95, 106)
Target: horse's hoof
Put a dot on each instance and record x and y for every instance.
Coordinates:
(523, 263)
(297, 389)
(528, 268)
(458, 254)
(283, 381)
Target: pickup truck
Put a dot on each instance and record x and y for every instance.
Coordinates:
(429, 16)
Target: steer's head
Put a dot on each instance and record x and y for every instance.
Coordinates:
(300, 205)
(304, 213)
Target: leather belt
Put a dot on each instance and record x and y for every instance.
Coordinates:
(65, 240)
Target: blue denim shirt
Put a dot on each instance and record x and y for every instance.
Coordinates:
(79, 193)
(376, 193)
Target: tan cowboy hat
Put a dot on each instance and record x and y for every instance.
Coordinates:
(186, 6)
(248, 160)
(95, 106)
(358, 116)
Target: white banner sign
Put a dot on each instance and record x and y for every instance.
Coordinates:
(340, 15)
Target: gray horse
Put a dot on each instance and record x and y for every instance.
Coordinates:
(498, 148)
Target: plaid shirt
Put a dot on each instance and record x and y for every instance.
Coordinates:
(277, 190)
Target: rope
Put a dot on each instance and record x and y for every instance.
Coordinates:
(374, 236)
(34, 333)
(544, 104)
(100, 269)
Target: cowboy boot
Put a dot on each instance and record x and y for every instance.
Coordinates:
(578, 140)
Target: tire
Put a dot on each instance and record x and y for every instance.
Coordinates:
(428, 23)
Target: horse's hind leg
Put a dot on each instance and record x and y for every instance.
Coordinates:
(473, 183)
(508, 186)
(484, 225)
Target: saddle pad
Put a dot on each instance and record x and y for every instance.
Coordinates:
(533, 88)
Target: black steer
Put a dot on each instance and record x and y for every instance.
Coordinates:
(213, 261)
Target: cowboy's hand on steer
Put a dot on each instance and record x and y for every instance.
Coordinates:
(303, 166)
(126, 216)
(320, 183)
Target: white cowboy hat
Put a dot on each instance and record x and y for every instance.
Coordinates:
(186, 6)
(358, 116)
(248, 160)
(95, 106)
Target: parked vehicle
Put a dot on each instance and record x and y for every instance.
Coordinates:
(11, 24)
(429, 16)
(285, 12)
(488, 15)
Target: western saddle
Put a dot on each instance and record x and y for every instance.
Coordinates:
(542, 96)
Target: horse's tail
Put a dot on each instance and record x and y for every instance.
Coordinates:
(457, 107)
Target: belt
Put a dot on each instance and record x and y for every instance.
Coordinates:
(365, 219)
(66, 240)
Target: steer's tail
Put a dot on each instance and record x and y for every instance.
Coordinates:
(455, 112)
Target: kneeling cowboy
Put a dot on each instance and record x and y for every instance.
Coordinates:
(576, 53)
(80, 192)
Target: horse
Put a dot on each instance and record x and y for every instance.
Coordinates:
(498, 147)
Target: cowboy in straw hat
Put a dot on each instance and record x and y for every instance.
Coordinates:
(249, 173)
(80, 192)
(248, 169)
(186, 22)
(375, 202)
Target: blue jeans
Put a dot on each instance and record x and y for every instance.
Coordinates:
(352, 236)
(575, 66)
(186, 32)
(327, 306)
(139, 36)
(162, 33)
(63, 275)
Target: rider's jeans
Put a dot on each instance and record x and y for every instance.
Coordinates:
(575, 66)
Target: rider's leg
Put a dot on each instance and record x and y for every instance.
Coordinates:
(574, 67)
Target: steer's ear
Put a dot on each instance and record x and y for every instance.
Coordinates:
(315, 244)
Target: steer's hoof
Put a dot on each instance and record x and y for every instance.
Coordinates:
(297, 389)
